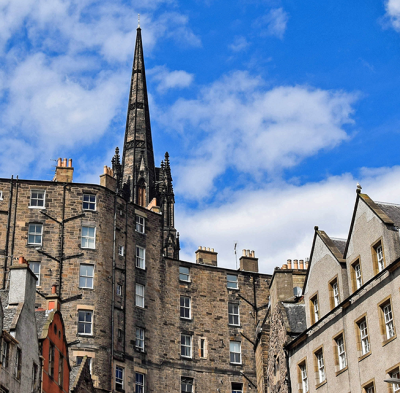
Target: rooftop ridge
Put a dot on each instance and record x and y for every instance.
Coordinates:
(388, 203)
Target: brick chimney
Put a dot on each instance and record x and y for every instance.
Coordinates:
(206, 256)
(248, 261)
(64, 171)
(22, 285)
(107, 179)
(53, 300)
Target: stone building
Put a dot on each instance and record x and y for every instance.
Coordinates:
(352, 298)
(20, 364)
(145, 320)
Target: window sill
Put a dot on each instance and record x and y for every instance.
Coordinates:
(389, 340)
(90, 210)
(140, 307)
(138, 349)
(91, 289)
(85, 335)
(88, 248)
(186, 358)
(185, 281)
(341, 371)
(142, 233)
(233, 289)
(186, 319)
(37, 207)
(364, 356)
(234, 326)
(30, 245)
(235, 364)
(140, 268)
(320, 384)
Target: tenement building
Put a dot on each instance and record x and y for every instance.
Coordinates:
(141, 319)
(351, 301)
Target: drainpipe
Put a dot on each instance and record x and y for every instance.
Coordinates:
(62, 242)
(7, 233)
(15, 217)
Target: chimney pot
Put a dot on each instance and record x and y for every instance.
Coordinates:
(70, 162)
(22, 261)
(295, 265)
(53, 289)
(59, 162)
(244, 253)
(301, 264)
(289, 263)
(65, 163)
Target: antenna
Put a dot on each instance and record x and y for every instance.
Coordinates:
(138, 21)
(234, 248)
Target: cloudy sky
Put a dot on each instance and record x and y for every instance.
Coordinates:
(271, 110)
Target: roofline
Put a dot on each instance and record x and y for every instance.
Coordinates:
(375, 209)
(204, 266)
(311, 255)
(345, 303)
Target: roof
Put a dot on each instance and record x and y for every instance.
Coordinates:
(9, 314)
(74, 376)
(4, 297)
(391, 210)
(41, 317)
(340, 244)
(296, 316)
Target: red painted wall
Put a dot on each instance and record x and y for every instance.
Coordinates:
(57, 338)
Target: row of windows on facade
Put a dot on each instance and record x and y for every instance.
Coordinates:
(187, 384)
(356, 277)
(231, 279)
(388, 333)
(88, 235)
(11, 356)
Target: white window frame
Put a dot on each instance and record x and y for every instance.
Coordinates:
(233, 313)
(140, 224)
(304, 377)
(139, 342)
(335, 289)
(1, 195)
(395, 386)
(85, 323)
(185, 307)
(91, 205)
(379, 257)
(121, 251)
(233, 353)
(119, 289)
(321, 366)
(186, 345)
(238, 388)
(185, 383)
(37, 199)
(357, 272)
(183, 276)
(232, 283)
(86, 276)
(32, 266)
(316, 310)
(139, 385)
(388, 318)
(140, 259)
(35, 234)
(88, 239)
(139, 298)
(119, 378)
(341, 352)
(370, 389)
(365, 346)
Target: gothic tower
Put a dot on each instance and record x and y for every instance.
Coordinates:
(137, 177)
(138, 171)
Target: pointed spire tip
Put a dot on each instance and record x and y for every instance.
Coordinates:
(138, 20)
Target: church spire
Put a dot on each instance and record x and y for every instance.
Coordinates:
(138, 146)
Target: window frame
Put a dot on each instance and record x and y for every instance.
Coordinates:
(356, 274)
(36, 263)
(5, 353)
(86, 277)
(51, 359)
(18, 363)
(185, 308)
(89, 202)
(188, 381)
(139, 340)
(394, 372)
(367, 386)
(386, 326)
(302, 376)
(229, 282)
(139, 384)
(363, 339)
(235, 353)
(139, 295)
(35, 234)
(139, 225)
(238, 388)
(85, 323)
(232, 314)
(314, 311)
(334, 293)
(121, 250)
(319, 366)
(119, 378)
(181, 274)
(378, 256)
(140, 260)
(60, 369)
(119, 289)
(37, 191)
(340, 353)
(88, 237)
(185, 346)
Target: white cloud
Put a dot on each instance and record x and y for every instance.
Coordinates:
(239, 44)
(277, 220)
(238, 123)
(273, 23)
(166, 79)
(393, 13)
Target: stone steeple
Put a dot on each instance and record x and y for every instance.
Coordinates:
(138, 171)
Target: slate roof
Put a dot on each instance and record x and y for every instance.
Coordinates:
(340, 244)
(392, 211)
(41, 319)
(73, 376)
(9, 314)
(296, 316)
(4, 297)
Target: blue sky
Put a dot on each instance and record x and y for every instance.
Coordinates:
(271, 110)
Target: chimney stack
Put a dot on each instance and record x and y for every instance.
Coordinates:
(206, 256)
(248, 261)
(107, 179)
(64, 171)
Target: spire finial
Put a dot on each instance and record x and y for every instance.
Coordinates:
(138, 21)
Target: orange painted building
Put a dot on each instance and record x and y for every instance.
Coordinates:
(53, 345)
